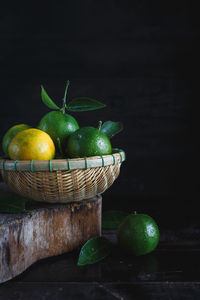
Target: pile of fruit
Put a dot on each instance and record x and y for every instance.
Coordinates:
(58, 134)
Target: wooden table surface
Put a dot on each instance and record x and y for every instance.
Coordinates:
(172, 271)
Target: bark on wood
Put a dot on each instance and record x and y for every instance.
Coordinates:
(52, 230)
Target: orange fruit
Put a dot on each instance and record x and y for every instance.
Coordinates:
(10, 134)
(138, 234)
(88, 141)
(58, 125)
(31, 144)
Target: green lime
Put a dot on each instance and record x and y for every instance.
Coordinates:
(10, 134)
(138, 234)
(88, 141)
(59, 126)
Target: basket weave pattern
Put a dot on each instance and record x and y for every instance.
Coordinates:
(63, 185)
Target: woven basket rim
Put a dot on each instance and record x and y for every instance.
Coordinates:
(67, 164)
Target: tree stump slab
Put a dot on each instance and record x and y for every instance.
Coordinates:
(52, 229)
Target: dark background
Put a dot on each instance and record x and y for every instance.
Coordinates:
(141, 58)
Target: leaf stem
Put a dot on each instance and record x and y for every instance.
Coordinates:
(100, 124)
(65, 96)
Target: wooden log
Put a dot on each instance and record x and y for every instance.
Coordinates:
(50, 231)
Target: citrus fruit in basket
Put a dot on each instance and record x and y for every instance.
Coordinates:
(59, 126)
(10, 134)
(88, 141)
(31, 144)
(138, 234)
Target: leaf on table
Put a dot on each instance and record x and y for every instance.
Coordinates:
(84, 104)
(47, 100)
(12, 204)
(111, 219)
(94, 250)
(111, 128)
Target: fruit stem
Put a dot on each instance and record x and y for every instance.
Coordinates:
(100, 124)
(65, 96)
(59, 146)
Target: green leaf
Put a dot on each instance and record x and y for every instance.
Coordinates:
(112, 218)
(12, 204)
(47, 100)
(29, 212)
(84, 104)
(94, 250)
(111, 128)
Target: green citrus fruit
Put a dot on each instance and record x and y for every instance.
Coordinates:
(10, 134)
(59, 126)
(31, 144)
(88, 141)
(138, 234)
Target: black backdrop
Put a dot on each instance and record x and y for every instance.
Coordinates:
(141, 58)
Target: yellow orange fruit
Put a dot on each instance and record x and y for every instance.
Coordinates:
(31, 144)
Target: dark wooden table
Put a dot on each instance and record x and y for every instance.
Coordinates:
(172, 271)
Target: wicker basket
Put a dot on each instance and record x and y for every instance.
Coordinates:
(62, 180)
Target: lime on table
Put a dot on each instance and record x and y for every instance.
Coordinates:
(138, 234)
